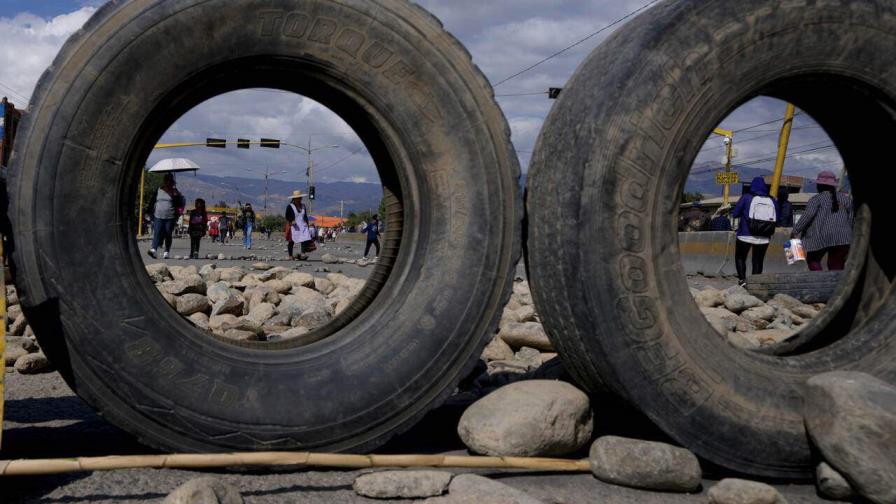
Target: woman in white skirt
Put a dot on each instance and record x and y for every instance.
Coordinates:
(297, 230)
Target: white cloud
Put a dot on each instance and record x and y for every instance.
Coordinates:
(28, 45)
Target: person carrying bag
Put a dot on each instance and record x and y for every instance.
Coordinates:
(298, 229)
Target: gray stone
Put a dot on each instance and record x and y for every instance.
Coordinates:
(804, 311)
(526, 314)
(262, 312)
(25, 342)
(231, 274)
(221, 257)
(306, 299)
(295, 332)
(851, 418)
(12, 297)
(199, 319)
(759, 314)
(521, 288)
(275, 273)
(530, 334)
(512, 305)
(158, 272)
(329, 259)
(322, 285)
(736, 290)
(783, 321)
(529, 418)
(241, 335)
(12, 353)
(497, 350)
(190, 284)
(737, 303)
(189, 304)
(738, 491)
(710, 298)
(785, 301)
(17, 328)
(313, 319)
(260, 266)
(217, 291)
(262, 294)
(279, 286)
(217, 323)
(474, 489)
(831, 484)
(723, 321)
(528, 356)
(183, 272)
(644, 464)
(342, 305)
(204, 491)
(13, 312)
(299, 279)
(402, 484)
(35, 363)
(232, 305)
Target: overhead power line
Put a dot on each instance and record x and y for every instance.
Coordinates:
(17, 95)
(521, 94)
(589, 37)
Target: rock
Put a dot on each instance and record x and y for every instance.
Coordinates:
(25, 342)
(521, 288)
(530, 334)
(744, 340)
(322, 285)
(402, 484)
(183, 272)
(189, 304)
(497, 350)
(170, 299)
(759, 314)
(735, 290)
(737, 303)
(831, 484)
(784, 301)
(221, 257)
(241, 335)
(204, 491)
(231, 274)
(710, 298)
(295, 332)
(329, 259)
(470, 488)
(199, 319)
(217, 291)
(209, 270)
(530, 418)
(12, 297)
(232, 304)
(35, 363)
(13, 353)
(189, 284)
(738, 491)
(275, 273)
(262, 312)
(342, 305)
(526, 314)
(723, 321)
(804, 311)
(313, 319)
(262, 294)
(158, 272)
(783, 321)
(306, 299)
(512, 305)
(298, 279)
(279, 286)
(260, 266)
(217, 323)
(251, 280)
(851, 418)
(528, 356)
(13, 312)
(644, 464)
(17, 328)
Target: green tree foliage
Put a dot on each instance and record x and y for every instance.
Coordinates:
(274, 222)
(356, 218)
(687, 197)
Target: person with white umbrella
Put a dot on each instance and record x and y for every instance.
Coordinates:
(169, 201)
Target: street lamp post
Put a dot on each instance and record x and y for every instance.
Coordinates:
(309, 172)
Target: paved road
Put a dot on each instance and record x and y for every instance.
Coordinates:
(44, 419)
(272, 251)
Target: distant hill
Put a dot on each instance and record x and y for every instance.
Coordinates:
(355, 196)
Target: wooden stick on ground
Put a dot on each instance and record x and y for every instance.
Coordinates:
(196, 461)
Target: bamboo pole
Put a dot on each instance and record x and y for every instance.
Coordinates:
(36, 467)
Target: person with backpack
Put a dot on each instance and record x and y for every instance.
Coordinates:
(758, 214)
(826, 225)
(198, 222)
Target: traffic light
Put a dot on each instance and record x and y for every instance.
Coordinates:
(270, 143)
(242, 143)
(219, 143)
(554, 92)
(311, 192)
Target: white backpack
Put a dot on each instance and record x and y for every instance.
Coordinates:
(762, 217)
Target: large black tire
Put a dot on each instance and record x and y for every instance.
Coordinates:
(442, 148)
(613, 158)
(809, 287)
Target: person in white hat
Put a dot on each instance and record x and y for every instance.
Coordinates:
(298, 229)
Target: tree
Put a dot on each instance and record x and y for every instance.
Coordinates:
(356, 218)
(274, 222)
(687, 197)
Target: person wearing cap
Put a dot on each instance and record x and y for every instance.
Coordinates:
(248, 222)
(826, 226)
(298, 229)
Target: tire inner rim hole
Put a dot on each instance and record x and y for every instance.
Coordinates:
(347, 146)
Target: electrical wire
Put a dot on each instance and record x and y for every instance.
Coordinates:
(18, 96)
(558, 53)
(521, 94)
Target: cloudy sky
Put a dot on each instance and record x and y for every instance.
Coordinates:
(504, 37)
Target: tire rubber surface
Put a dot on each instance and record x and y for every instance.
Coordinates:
(603, 193)
(442, 147)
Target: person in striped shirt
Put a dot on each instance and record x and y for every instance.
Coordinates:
(826, 225)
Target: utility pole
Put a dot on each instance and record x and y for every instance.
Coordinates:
(341, 209)
(727, 178)
(783, 141)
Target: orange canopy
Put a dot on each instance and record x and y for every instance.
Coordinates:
(323, 221)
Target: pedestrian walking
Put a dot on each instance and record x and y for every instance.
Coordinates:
(826, 226)
(373, 235)
(757, 213)
(223, 222)
(198, 222)
(298, 228)
(214, 227)
(168, 200)
(248, 225)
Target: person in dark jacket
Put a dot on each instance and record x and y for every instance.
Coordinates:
(826, 225)
(746, 209)
(373, 235)
(248, 225)
(196, 227)
(720, 220)
(785, 217)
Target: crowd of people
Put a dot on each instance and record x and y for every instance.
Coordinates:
(825, 227)
(168, 218)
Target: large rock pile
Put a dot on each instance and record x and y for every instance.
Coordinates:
(262, 304)
(22, 350)
(748, 322)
